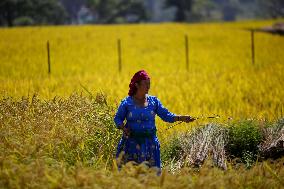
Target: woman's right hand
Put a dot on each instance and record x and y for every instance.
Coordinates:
(126, 131)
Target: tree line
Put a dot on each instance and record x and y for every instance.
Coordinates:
(55, 12)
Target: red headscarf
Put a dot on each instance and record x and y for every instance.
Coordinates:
(138, 76)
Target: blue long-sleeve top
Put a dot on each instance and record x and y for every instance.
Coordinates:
(142, 118)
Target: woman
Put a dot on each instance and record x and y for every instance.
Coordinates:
(139, 142)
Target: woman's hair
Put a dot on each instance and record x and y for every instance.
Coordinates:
(138, 76)
(134, 89)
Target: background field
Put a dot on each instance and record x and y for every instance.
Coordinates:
(221, 80)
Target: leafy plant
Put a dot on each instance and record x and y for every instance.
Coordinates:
(244, 138)
(172, 150)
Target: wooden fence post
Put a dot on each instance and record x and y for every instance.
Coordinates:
(119, 54)
(186, 53)
(252, 47)
(48, 58)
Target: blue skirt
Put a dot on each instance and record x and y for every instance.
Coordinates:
(139, 149)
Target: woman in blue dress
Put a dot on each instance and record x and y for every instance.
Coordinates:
(139, 142)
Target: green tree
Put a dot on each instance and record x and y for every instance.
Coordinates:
(7, 12)
(113, 11)
(202, 10)
(32, 11)
(72, 7)
(183, 8)
(271, 8)
(230, 10)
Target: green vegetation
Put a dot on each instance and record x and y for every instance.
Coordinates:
(61, 143)
(72, 130)
(243, 141)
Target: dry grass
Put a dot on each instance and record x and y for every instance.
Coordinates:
(39, 174)
(70, 143)
(76, 129)
(273, 142)
(201, 142)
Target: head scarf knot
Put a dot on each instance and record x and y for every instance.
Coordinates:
(138, 76)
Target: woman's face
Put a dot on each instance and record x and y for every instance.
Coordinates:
(143, 86)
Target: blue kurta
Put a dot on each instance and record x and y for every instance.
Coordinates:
(142, 144)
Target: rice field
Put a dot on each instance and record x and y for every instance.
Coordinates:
(70, 143)
(221, 78)
(50, 134)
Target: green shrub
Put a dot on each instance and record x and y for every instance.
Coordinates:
(243, 141)
(172, 150)
(23, 21)
(280, 123)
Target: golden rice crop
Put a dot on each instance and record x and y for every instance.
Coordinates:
(60, 147)
(221, 78)
(70, 143)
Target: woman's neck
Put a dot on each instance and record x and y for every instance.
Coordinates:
(140, 100)
(140, 96)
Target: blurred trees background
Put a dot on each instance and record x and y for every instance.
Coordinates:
(42, 12)
(117, 11)
(31, 12)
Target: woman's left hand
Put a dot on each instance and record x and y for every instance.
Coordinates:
(126, 131)
(186, 118)
(189, 119)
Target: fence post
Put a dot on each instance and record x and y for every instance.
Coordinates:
(252, 47)
(48, 58)
(186, 52)
(119, 54)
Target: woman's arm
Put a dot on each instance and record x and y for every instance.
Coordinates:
(120, 115)
(163, 112)
(167, 116)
